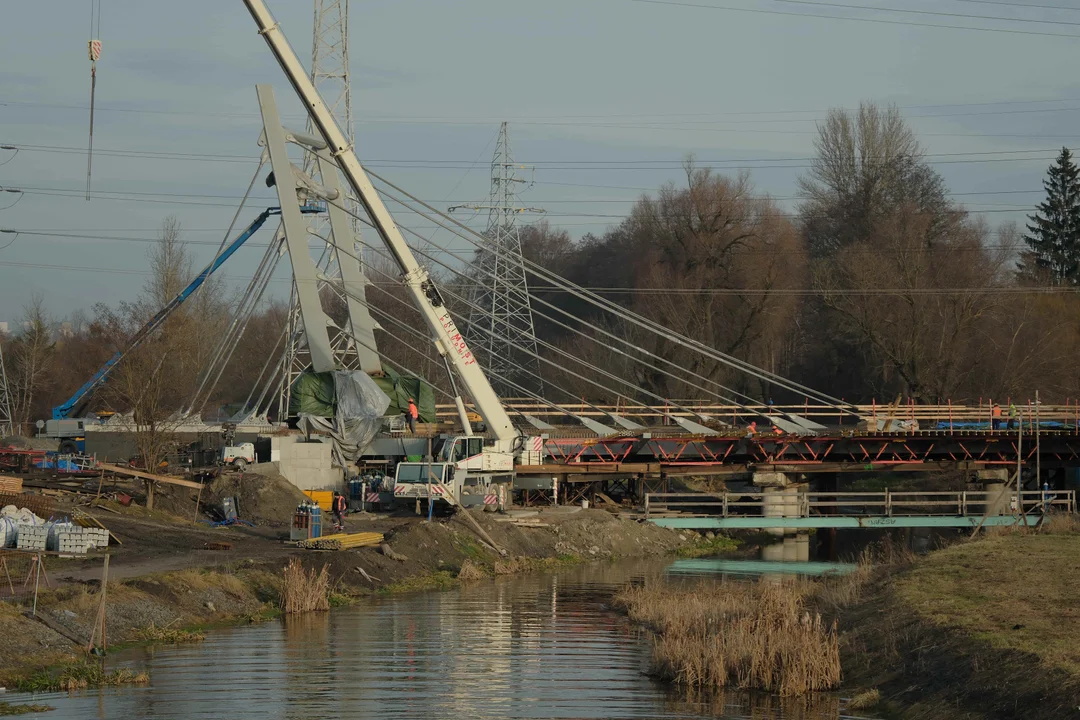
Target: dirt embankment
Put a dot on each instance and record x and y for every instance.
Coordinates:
(985, 629)
(166, 574)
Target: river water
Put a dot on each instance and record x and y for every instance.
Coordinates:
(537, 646)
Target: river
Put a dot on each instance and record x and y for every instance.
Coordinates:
(537, 646)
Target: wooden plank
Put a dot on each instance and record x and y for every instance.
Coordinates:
(132, 472)
(10, 484)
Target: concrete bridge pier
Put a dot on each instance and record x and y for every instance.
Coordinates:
(994, 482)
(784, 494)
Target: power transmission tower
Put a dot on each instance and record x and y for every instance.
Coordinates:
(500, 317)
(354, 343)
(7, 423)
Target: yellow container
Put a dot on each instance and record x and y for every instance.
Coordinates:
(323, 498)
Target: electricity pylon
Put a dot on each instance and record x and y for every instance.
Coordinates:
(7, 423)
(500, 320)
(330, 74)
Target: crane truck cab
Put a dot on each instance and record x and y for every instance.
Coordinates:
(465, 471)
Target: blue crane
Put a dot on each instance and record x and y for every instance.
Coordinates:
(75, 404)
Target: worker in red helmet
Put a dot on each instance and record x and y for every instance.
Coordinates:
(412, 415)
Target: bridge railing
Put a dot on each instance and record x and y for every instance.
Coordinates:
(884, 504)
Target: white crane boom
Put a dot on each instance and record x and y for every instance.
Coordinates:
(425, 294)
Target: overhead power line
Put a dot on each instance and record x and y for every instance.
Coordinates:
(979, 156)
(1022, 5)
(936, 13)
(821, 16)
(524, 119)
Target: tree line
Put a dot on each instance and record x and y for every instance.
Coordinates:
(878, 284)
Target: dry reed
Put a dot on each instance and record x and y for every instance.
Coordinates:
(740, 635)
(304, 590)
(471, 571)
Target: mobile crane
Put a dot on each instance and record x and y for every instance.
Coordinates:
(465, 466)
(65, 424)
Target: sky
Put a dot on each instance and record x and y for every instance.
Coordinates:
(605, 99)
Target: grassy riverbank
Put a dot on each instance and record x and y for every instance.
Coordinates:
(980, 629)
(986, 628)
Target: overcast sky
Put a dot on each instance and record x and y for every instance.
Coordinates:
(636, 85)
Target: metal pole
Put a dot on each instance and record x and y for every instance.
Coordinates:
(37, 576)
(1038, 446)
(1019, 467)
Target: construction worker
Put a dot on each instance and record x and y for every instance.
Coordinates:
(1012, 416)
(338, 506)
(751, 429)
(995, 415)
(411, 416)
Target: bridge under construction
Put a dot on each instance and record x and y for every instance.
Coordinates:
(623, 436)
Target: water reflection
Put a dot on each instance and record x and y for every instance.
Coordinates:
(533, 647)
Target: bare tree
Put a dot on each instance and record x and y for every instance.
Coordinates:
(155, 380)
(867, 162)
(710, 260)
(31, 355)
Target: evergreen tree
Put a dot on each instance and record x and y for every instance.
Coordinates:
(1054, 233)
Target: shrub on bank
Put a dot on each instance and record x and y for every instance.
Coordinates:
(743, 635)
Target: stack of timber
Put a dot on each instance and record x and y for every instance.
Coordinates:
(10, 485)
(343, 541)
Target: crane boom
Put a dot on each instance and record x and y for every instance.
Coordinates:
(74, 404)
(448, 339)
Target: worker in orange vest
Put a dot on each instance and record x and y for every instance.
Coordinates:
(996, 415)
(411, 416)
(338, 506)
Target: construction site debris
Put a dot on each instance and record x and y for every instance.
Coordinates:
(367, 577)
(389, 552)
(132, 472)
(265, 498)
(11, 484)
(343, 541)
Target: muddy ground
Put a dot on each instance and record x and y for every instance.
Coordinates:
(166, 576)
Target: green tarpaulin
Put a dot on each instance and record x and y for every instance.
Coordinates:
(313, 394)
(399, 389)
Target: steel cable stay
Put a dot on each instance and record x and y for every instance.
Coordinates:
(596, 328)
(217, 255)
(228, 335)
(724, 398)
(255, 288)
(517, 366)
(422, 336)
(516, 386)
(618, 311)
(239, 334)
(380, 253)
(396, 321)
(269, 359)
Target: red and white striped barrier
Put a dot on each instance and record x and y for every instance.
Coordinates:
(373, 497)
(491, 499)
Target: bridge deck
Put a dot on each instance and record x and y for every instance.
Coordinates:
(834, 450)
